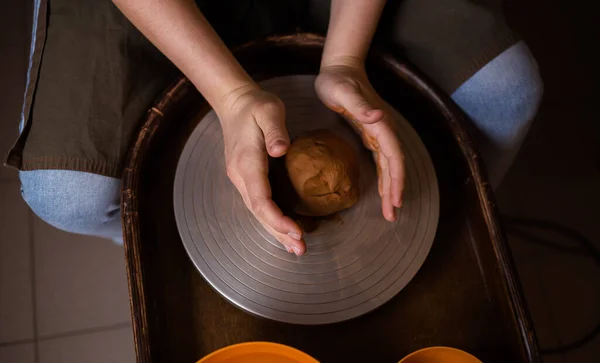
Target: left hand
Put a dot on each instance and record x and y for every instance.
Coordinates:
(346, 90)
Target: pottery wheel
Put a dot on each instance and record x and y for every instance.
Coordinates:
(353, 264)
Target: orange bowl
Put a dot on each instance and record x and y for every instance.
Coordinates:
(440, 355)
(258, 352)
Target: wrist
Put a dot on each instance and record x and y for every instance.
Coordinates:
(349, 61)
(228, 99)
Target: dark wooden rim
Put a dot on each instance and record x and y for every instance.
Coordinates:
(455, 117)
(457, 120)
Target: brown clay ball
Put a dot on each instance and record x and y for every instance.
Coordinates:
(323, 169)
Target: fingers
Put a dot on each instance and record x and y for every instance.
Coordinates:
(270, 117)
(396, 169)
(348, 92)
(384, 187)
(351, 100)
(291, 244)
(392, 151)
(390, 166)
(283, 228)
(248, 172)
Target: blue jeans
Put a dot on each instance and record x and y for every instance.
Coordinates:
(501, 99)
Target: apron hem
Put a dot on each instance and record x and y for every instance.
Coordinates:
(479, 62)
(72, 163)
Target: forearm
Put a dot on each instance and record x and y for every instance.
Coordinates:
(352, 25)
(180, 31)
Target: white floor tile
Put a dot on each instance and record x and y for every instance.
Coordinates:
(18, 353)
(16, 305)
(81, 281)
(114, 346)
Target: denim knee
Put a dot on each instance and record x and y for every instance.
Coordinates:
(502, 100)
(74, 201)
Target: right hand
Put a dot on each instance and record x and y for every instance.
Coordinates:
(253, 125)
(345, 88)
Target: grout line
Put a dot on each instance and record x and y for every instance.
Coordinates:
(85, 331)
(31, 221)
(15, 342)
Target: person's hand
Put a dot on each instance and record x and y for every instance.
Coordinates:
(253, 126)
(345, 89)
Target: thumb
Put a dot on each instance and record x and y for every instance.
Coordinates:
(349, 98)
(270, 117)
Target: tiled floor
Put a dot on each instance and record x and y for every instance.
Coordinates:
(63, 298)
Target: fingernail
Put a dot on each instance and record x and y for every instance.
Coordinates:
(297, 251)
(371, 112)
(278, 143)
(295, 236)
(289, 249)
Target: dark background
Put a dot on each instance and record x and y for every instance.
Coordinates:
(64, 298)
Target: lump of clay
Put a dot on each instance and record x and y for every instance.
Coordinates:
(323, 170)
